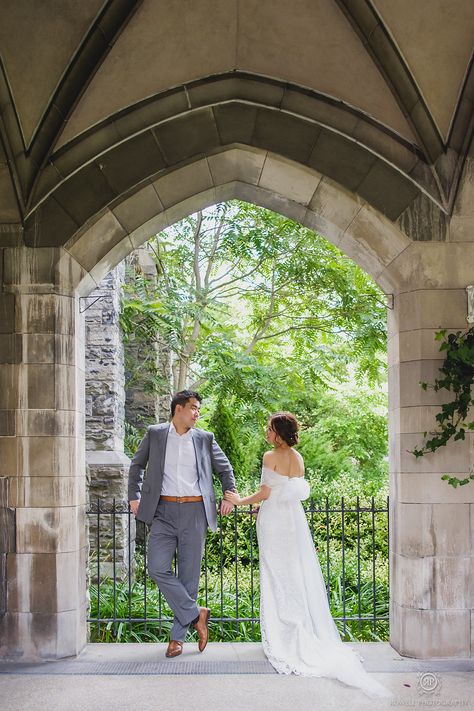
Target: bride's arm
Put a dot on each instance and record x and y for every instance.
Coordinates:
(260, 495)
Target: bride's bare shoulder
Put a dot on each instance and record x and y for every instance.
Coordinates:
(298, 457)
(268, 459)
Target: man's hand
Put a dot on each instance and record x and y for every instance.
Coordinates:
(226, 507)
(232, 497)
(134, 506)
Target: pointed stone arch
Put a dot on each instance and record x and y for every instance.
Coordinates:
(255, 176)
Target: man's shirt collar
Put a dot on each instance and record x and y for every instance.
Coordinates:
(174, 433)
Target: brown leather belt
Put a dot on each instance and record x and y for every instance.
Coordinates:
(181, 499)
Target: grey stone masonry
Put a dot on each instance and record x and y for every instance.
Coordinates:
(105, 412)
(42, 469)
(7, 540)
(105, 426)
(147, 405)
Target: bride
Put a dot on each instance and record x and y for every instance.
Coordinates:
(299, 635)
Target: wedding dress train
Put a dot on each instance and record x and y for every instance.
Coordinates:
(299, 635)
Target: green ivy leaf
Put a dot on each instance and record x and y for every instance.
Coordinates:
(458, 378)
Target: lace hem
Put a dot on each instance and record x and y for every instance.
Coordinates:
(372, 689)
(279, 665)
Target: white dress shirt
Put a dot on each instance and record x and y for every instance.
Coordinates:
(180, 476)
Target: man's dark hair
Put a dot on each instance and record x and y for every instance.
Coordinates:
(182, 398)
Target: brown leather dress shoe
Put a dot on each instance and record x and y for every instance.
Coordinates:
(174, 648)
(201, 626)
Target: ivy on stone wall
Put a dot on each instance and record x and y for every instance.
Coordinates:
(457, 378)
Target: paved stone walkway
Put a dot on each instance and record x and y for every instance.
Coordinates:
(226, 676)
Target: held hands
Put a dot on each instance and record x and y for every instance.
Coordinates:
(226, 508)
(232, 497)
(226, 505)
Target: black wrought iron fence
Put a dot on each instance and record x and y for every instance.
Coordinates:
(352, 542)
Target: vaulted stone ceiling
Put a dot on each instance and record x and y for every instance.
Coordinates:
(377, 94)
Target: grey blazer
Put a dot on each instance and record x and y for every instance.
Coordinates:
(151, 452)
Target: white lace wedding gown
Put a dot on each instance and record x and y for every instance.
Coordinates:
(299, 635)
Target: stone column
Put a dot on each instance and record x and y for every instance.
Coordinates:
(144, 405)
(431, 557)
(42, 456)
(431, 526)
(105, 412)
(105, 421)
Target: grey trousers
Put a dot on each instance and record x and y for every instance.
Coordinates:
(182, 528)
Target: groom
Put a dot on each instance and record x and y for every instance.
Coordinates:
(177, 499)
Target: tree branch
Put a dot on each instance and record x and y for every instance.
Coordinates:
(303, 328)
(215, 245)
(197, 244)
(261, 330)
(238, 278)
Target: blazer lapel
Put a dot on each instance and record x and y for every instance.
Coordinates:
(164, 437)
(197, 443)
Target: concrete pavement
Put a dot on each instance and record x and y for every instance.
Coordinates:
(235, 676)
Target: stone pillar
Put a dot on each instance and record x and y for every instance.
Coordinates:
(431, 558)
(146, 405)
(42, 456)
(105, 394)
(7, 539)
(431, 523)
(105, 420)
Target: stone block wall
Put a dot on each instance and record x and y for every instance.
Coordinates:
(43, 544)
(7, 540)
(107, 464)
(143, 405)
(105, 379)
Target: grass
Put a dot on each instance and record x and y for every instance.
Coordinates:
(226, 609)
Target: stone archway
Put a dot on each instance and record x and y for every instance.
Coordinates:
(256, 176)
(42, 395)
(341, 114)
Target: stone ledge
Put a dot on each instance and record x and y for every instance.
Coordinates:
(107, 458)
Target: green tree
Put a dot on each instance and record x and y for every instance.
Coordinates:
(224, 427)
(262, 314)
(244, 280)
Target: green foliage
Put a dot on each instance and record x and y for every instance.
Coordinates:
(357, 585)
(223, 425)
(457, 378)
(142, 317)
(455, 481)
(133, 437)
(345, 433)
(271, 316)
(238, 284)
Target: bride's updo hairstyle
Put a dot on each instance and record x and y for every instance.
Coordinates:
(286, 427)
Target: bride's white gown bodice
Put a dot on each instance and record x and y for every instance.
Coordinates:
(299, 635)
